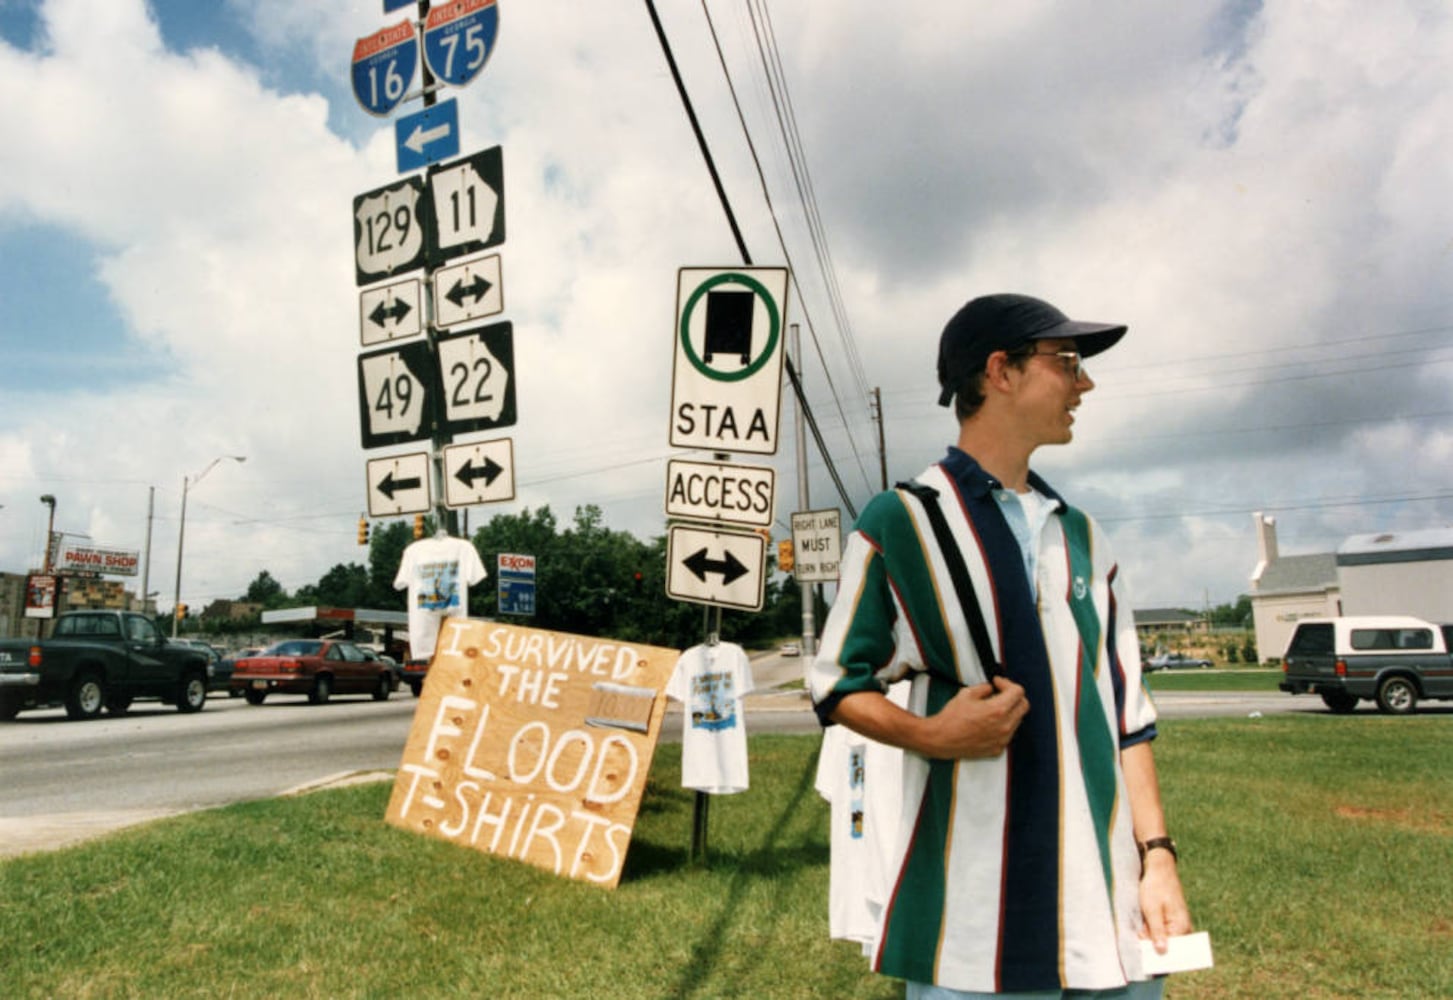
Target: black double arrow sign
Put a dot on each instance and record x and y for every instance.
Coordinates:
(468, 473)
(700, 564)
(395, 310)
(477, 289)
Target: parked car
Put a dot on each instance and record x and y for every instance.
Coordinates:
(318, 668)
(228, 666)
(790, 649)
(219, 671)
(1175, 661)
(388, 661)
(1394, 660)
(98, 660)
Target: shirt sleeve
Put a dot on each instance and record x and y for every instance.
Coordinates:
(406, 566)
(1134, 708)
(858, 638)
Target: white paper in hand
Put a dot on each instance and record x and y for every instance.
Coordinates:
(1182, 954)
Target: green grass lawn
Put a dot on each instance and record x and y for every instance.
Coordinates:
(1216, 679)
(1316, 849)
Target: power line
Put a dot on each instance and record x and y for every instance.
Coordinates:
(731, 216)
(782, 242)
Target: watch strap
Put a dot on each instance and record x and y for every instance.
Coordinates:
(1162, 842)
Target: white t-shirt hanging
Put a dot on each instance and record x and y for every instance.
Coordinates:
(710, 681)
(863, 781)
(438, 573)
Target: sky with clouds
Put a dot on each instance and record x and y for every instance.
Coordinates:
(1260, 192)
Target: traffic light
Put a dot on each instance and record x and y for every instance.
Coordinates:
(784, 555)
(418, 526)
(362, 530)
(181, 611)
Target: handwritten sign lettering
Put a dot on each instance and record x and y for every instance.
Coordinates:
(534, 745)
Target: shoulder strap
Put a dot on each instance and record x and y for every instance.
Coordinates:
(959, 572)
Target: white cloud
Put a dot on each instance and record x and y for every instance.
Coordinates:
(1233, 180)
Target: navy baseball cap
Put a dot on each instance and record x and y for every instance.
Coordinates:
(1004, 322)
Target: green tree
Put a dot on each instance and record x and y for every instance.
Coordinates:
(343, 586)
(385, 551)
(267, 591)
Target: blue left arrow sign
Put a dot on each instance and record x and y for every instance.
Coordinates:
(427, 136)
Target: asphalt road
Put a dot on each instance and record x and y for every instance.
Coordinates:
(64, 781)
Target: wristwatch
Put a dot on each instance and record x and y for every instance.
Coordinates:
(1164, 842)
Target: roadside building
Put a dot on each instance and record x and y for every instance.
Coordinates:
(1398, 573)
(1393, 573)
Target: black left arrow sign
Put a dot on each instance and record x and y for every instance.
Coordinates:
(390, 485)
(395, 311)
(700, 564)
(477, 289)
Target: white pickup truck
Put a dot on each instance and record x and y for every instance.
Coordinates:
(1394, 660)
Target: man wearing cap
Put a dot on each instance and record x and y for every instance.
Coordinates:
(1032, 852)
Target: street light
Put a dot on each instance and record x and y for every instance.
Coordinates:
(49, 501)
(182, 530)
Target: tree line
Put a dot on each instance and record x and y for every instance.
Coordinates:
(590, 580)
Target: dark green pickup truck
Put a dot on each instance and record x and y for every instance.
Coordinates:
(100, 659)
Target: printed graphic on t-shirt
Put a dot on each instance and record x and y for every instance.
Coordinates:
(857, 775)
(438, 586)
(713, 701)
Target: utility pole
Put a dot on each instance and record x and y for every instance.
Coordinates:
(146, 566)
(804, 500)
(882, 446)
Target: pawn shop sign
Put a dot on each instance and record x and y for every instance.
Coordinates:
(726, 389)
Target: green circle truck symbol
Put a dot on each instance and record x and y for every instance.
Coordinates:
(729, 326)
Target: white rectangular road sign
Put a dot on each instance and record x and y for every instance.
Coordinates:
(479, 472)
(390, 312)
(726, 386)
(720, 491)
(468, 291)
(708, 566)
(399, 484)
(816, 545)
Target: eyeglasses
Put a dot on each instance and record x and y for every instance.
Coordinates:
(1070, 360)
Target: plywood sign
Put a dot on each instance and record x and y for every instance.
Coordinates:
(533, 745)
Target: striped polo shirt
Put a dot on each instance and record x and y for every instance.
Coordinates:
(1018, 872)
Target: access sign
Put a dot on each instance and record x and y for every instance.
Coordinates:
(459, 37)
(726, 389)
(720, 491)
(383, 67)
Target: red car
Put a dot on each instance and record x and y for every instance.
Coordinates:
(318, 668)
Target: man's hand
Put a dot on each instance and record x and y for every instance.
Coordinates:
(1162, 901)
(979, 721)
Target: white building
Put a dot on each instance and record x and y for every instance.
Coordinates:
(1391, 573)
(1398, 573)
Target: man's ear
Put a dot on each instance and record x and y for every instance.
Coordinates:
(996, 371)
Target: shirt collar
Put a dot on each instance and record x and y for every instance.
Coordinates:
(973, 481)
